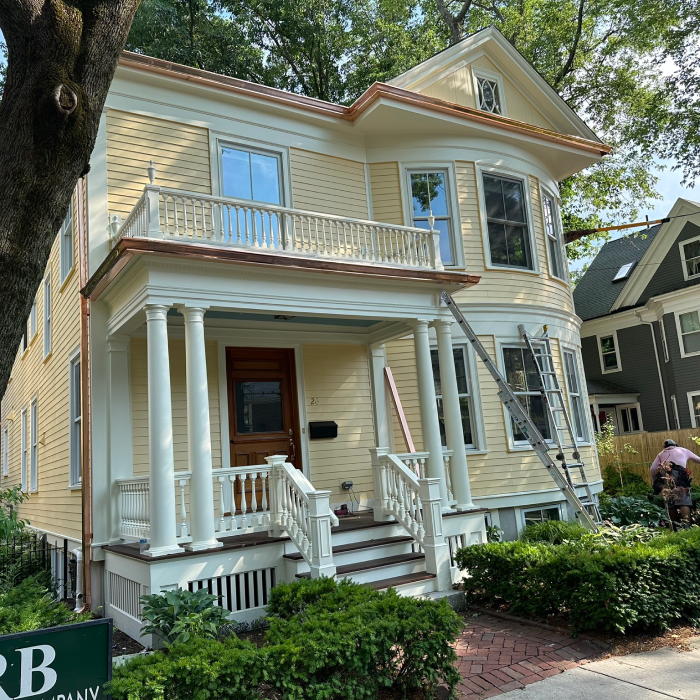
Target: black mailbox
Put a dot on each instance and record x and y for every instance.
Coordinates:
(322, 429)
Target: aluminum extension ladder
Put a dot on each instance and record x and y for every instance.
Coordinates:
(561, 475)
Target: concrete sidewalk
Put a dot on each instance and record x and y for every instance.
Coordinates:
(653, 675)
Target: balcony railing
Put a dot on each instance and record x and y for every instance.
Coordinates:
(188, 217)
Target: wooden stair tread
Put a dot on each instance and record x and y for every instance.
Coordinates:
(373, 564)
(400, 580)
(354, 546)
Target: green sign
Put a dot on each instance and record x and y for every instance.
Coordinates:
(59, 663)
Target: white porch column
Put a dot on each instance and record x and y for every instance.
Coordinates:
(160, 436)
(381, 412)
(452, 412)
(430, 424)
(198, 434)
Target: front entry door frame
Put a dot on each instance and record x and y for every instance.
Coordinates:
(250, 341)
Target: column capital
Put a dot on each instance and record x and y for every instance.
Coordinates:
(420, 325)
(443, 325)
(192, 309)
(156, 312)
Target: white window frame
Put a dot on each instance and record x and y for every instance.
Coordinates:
(546, 506)
(511, 174)
(34, 445)
(33, 326)
(478, 73)
(5, 451)
(25, 439)
(67, 244)
(558, 234)
(676, 417)
(583, 397)
(681, 246)
(452, 202)
(664, 343)
(694, 419)
(603, 369)
(75, 445)
(681, 347)
(622, 407)
(47, 315)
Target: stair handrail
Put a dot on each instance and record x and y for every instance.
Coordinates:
(303, 513)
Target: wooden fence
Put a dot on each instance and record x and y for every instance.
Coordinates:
(646, 446)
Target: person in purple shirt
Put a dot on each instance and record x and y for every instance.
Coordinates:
(671, 478)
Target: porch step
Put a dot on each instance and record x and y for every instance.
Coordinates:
(401, 581)
(376, 569)
(355, 546)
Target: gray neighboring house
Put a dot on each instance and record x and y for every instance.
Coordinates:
(640, 305)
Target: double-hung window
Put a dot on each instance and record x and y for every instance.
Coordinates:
(429, 195)
(694, 401)
(47, 315)
(521, 375)
(576, 399)
(506, 217)
(75, 428)
(254, 175)
(34, 457)
(465, 404)
(690, 252)
(5, 451)
(32, 320)
(607, 344)
(554, 241)
(67, 243)
(24, 449)
(689, 325)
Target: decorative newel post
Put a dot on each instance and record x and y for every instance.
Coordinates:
(276, 483)
(320, 527)
(437, 551)
(381, 500)
(435, 244)
(152, 194)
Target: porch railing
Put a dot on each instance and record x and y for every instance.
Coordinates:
(189, 217)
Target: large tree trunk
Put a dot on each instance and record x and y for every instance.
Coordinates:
(61, 60)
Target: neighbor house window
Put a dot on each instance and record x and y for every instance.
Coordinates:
(554, 242)
(508, 232)
(690, 252)
(690, 332)
(575, 397)
(24, 449)
(47, 315)
(463, 391)
(67, 243)
(5, 451)
(489, 95)
(630, 418)
(662, 334)
(33, 461)
(541, 515)
(429, 195)
(694, 401)
(521, 374)
(674, 409)
(32, 320)
(609, 359)
(75, 447)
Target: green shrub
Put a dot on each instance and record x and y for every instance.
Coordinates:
(176, 616)
(553, 531)
(627, 510)
(30, 606)
(625, 482)
(597, 585)
(201, 669)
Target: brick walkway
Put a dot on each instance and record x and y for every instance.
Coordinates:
(497, 655)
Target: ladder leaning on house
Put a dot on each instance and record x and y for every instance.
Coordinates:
(553, 398)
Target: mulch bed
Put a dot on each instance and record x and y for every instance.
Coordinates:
(123, 644)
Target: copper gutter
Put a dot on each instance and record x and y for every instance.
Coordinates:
(359, 107)
(128, 248)
(85, 408)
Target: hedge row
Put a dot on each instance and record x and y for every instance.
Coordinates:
(327, 641)
(598, 586)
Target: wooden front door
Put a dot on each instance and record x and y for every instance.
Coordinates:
(263, 418)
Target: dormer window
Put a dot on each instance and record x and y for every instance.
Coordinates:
(489, 95)
(624, 272)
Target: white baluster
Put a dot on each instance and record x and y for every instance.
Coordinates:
(223, 480)
(244, 508)
(254, 500)
(266, 513)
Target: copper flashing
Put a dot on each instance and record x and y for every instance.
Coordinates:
(359, 107)
(130, 247)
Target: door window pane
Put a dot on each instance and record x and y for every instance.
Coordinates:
(259, 407)
(429, 195)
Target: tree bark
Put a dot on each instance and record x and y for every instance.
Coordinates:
(61, 59)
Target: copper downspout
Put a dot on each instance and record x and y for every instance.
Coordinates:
(86, 452)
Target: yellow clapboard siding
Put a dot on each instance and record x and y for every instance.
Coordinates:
(328, 184)
(53, 506)
(179, 152)
(386, 193)
(341, 373)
